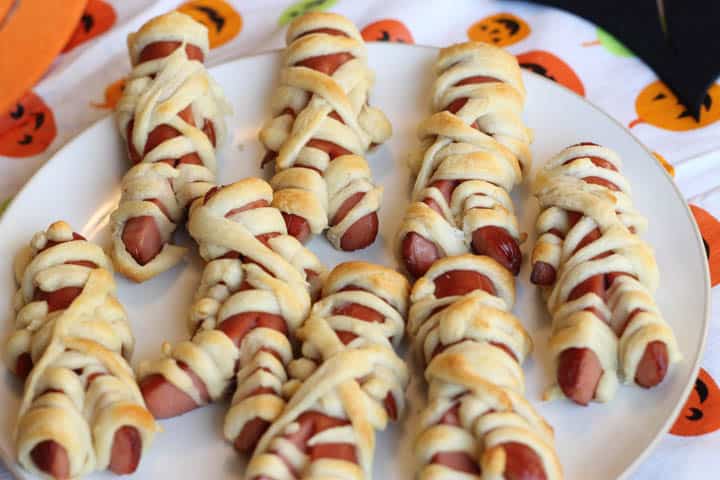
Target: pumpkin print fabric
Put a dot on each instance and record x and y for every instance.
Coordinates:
(222, 21)
(28, 128)
(84, 84)
(97, 18)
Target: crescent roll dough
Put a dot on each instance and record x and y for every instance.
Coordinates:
(254, 293)
(477, 418)
(73, 339)
(588, 234)
(347, 384)
(474, 150)
(322, 126)
(171, 118)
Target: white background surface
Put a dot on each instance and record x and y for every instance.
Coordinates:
(598, 442)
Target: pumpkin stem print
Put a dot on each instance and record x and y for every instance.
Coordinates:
(28, 128)
(501, 30)
(113, 92)
(610, 43)
(388, 30)
(709, 227)
(549, 66)
(97, 18)
(701, 413)
(297, 9)
(222, 21)
(657, 105)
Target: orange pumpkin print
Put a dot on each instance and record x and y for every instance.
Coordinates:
(388, 30)
(701, 413)
(27, 128)
(113, 92)
(222, 21)
(549, 66)
(658, 106)
(98, 17)
(709, 227)
(667, 166)
(502, 29)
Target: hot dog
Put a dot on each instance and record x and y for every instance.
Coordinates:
(72, 343)
(459, 323)
(463, 170)
(362, 305)
(155, 197)
(586, 209)
(255, 291)
(325, 184)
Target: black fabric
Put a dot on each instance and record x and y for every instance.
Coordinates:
(686, 56)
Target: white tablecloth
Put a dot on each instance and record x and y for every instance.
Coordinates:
(75, 93)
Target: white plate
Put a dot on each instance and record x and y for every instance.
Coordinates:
(80, 185)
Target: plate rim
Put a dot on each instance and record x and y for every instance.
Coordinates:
(15, 470)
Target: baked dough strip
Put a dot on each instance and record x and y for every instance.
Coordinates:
(474, 150)
(321, 127)
(171, 118)
(348, 383)
(254, 293)
(81, 409)
(598, 277)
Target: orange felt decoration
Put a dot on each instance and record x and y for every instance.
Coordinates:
(701, 413)
(33, 35)
(27, 128)
(97, 18)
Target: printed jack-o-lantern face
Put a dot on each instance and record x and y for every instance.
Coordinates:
(502, 29)
(297, 9)
(97, 18)
(113, 92)
(28, 128)
(222, 21)
(387, 31)
(709, 227)
(667, 166)
(552, 67)
(658, 106)
(701, 413)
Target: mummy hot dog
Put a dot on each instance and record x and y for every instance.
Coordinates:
(599, 277)
(322, 125)
(254, 293)
(348, 383)
(477, 424)
(170, 116)
(474, 149)
(81, 408)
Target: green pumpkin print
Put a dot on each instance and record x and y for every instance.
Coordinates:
(304, 6)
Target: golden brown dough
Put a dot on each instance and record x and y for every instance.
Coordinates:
(171, 119)
(75, 338)
(322, 126)
(348, 383)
